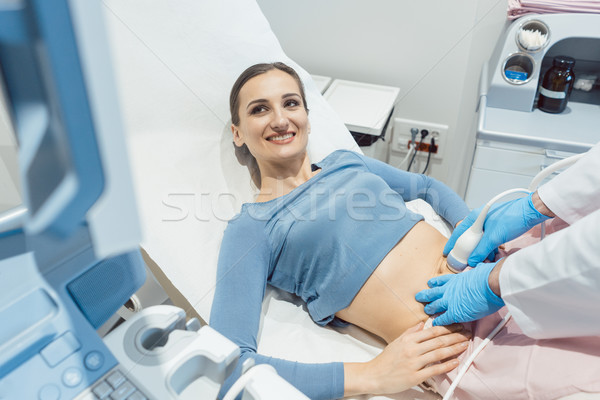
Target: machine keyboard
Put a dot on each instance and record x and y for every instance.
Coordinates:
(114, 386)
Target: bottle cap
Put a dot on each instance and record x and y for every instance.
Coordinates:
(563, 61)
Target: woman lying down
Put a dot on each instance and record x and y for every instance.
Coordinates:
(338, 234)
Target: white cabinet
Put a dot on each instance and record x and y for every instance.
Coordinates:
(514, 146)
(499, 166)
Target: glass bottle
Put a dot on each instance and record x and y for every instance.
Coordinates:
(557, 85)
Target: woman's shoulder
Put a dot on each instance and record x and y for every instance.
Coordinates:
(340, 156)
(248, 220)
(244, 233)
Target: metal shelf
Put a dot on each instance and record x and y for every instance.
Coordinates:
(576, 129)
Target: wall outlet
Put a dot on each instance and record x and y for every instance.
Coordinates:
(402, 137)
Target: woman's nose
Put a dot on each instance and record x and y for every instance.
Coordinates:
(280, 120)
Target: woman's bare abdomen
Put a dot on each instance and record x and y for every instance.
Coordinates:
(386, 304)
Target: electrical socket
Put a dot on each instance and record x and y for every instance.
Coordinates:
(402, 136)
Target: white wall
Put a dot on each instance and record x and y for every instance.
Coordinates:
(432, 49)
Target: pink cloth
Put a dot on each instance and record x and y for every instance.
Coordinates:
(518, 8)
(531, 237)
(514, 366)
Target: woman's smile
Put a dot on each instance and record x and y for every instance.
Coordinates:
(282, 138)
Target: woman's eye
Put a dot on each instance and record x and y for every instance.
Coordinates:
(258, 109)
(292, 103)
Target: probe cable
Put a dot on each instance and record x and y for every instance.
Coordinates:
(412, 149)
(546, 172)
(424, 133)
(470, 360)
(413, 157)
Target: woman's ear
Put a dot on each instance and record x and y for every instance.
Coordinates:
(237, 137)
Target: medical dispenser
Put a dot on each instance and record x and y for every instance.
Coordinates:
(515, 139)
(366, 110)
(557, 85)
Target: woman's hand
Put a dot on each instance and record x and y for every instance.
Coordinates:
(415, 356)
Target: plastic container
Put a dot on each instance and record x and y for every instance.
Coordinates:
(557, 85)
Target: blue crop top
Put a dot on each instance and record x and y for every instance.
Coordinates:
(321, 241)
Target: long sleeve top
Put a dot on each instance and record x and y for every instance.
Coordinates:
(321, 241)
(552, 288)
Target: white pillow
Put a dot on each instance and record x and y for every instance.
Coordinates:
(175, 64)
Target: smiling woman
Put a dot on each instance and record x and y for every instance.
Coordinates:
(337, 234)
(300, 235)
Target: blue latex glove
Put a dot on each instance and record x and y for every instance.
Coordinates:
(504, 222)
(461, 297)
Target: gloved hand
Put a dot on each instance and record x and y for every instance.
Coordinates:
(504, 222)
(461, 297)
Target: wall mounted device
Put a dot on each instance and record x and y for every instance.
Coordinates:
(515, 140)
(403, 138)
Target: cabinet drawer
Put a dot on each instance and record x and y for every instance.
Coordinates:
(501, 166)
(510, 161)
(485, 184)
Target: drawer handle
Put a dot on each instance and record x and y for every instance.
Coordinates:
(544, 166)
(558, 155)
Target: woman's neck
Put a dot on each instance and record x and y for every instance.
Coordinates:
(279, 179)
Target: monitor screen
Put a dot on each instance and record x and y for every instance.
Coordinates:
(47, 99)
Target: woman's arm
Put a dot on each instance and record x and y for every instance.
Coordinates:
(413, 186)
(241, 282)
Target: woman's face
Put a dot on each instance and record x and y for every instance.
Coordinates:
(273, 122)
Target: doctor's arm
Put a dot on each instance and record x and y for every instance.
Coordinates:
(552, 288)
(571, 195)
(575, 193)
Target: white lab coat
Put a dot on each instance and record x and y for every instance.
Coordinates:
(552, 288)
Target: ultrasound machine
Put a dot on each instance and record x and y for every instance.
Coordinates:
(69, 256)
